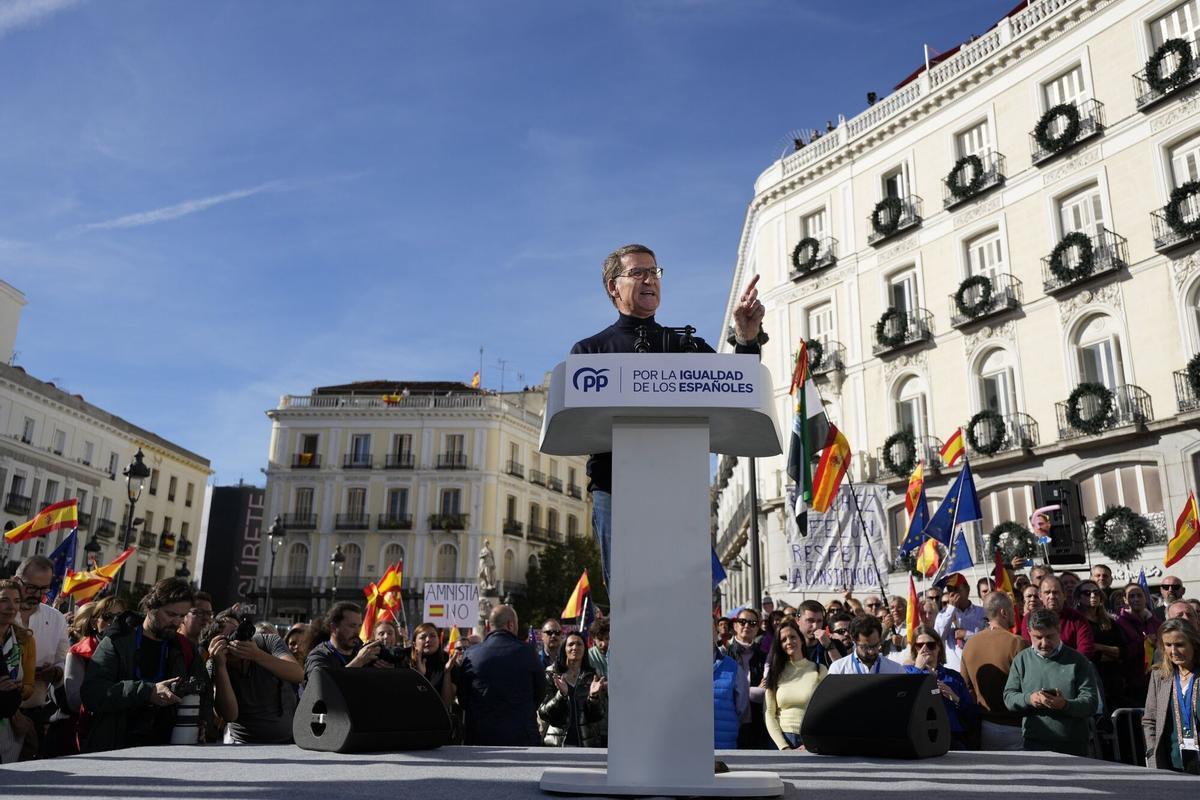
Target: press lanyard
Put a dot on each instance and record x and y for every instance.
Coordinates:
(1186, 706)
(14, 648)
(858, 665)
(137, 657)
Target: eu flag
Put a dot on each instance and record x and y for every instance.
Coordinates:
(64, 559)
(961, 505)
(718, 571)
(920, 519)
(959, 559)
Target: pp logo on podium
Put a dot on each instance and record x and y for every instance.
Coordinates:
(593, 379)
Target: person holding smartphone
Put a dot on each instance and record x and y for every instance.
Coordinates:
(1054, 687)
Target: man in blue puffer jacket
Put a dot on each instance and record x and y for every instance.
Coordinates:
(730, 700)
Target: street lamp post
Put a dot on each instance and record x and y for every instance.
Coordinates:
(275, 537)
(183, 571)
(336, 562)
(136, 472)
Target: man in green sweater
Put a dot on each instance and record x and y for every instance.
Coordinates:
(1054, 687)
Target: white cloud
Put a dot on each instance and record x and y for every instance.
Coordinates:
(17, 14)
(178, 210)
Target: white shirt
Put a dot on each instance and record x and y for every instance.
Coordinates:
(49, 629)
(850, 665)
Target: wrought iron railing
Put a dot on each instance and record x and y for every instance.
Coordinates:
(1131, 406)
(513, 527)
(356, 461)
(18, 504)
(306, 461)
(826, 256)
(833, 358)
(399, 461)
(554, 484)
(452, 461)
(1167, 237)
(911, 327)
(1018, 431)
(1178, 79)
(448, 522)
(1185, 396)
(515, 468)
(305, 521)
(352, 521)
(1110, 254)
(894, 222)
(395, 522)
(1091, 123)
(537, 476)
(1006, 295)
(991, 177)
(928, 451)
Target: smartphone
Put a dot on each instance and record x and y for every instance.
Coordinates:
(1052, 692)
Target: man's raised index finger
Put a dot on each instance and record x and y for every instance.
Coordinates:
(750, 287)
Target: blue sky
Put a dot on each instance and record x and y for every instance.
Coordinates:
(209, 205)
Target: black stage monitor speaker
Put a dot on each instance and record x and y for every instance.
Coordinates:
(879, 716)
(1067, 542)
(357, 710)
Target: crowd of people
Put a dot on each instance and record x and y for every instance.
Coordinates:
(1043, 668)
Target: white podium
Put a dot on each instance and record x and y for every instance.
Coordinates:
(660, 416)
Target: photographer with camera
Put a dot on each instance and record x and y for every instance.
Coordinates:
(129, 683)
(343, 648)
(255, 678)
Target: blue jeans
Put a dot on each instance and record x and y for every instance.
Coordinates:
(602, 525)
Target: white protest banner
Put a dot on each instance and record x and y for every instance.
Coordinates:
(451, 604)
(838, 554)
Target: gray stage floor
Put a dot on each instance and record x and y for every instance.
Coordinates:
(215, 772)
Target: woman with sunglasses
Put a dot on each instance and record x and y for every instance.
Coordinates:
(1118, 659)
(928, 655)
(88, 627)
(791, 680)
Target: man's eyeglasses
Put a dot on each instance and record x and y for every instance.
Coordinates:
(31, 588)
(870, 648)
(642, 274)
(740, 621)
(873, 605)
(1173, 587)
(552, 633)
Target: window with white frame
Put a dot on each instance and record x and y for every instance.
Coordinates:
(51, 495)
(895, 183)
(454, 444)
(997, 387)
(1193, 310)
(974, 141)
(1181, 22)
(352, 566)
(397, 500)
(360, 448)
(902, 291)
(1185, 161)
(89, 450)
(393, 554)
(60, 441)
(820, 323)
(451, 501)
(910, 408)
(1068, 87)
(401, 444)
(813, 225)
(447, 562)
(82, 495)
(27, 431)
(1098, 352)
(1082, 211)
(304, 502)
(356, 501)
(510, 565)
(297, 560)
(1136, 485)
(985, 254)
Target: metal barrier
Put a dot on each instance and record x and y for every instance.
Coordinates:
(1128, 742)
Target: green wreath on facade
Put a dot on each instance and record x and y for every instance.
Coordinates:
(1174, 213)
(805, 254)
(895, 208)
(1087, 258)
(892, 339)
(993, 444)
(1120, 533)
(1176, 77)
(816, 353)
(905, 465)
(1012, 539)
(1096, 422)
(1193, 373)
(1070, 132)
(986, 301)
(960, 190)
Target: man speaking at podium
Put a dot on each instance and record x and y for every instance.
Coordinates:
(633, 282)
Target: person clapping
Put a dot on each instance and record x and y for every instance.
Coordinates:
(573, 704)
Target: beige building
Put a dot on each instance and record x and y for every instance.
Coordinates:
(55, 445)
(974, 247)
(419, 472)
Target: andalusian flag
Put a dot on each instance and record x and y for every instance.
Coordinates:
(1187, 532)
(953, 449)
(799, 463)
(574, 606)
(911, 616)
(929, 558)
(83, 586)
(813, 434)
(452, 642)
(58, 517)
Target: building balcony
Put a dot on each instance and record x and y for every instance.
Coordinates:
(928, 451)
(1168, 238)
(515, 468)
(398, 461)
(513, 528)
(892, 217)
(298, 522)
(395, 522)
(148, 539)
(354, 521)
(1173, 76)
(537, 476)
(106, 528)
(1005, 295)
(166, 542)
(833, 359)
(452, 461)
(449, 522)
(1091, 125)
(902, 330)
(539, 534)
(1005, 433)
(356, 461)
(18, 504)
(974, 183)
(554, 484)
(813, 255)
(1109, 253)
(85, 520)
(1185, 395)
(1131, 406)
(183, 548)
(306, 461)
(575, 490)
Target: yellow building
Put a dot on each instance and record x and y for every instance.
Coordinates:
(384, 471)
(976, 246)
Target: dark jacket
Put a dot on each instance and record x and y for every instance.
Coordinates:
(113, 696)
(500, 684)
(1160, 709)
(556, 710)
(620, 337)
(325, 656)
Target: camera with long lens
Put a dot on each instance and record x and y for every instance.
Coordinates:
(396, 656)
(187, 713)
(245, 629)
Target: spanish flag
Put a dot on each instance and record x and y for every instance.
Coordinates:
(452, 642)
(1187, 532)
(475, 380)
(835, 460)
(916, 482)
(381, 597)
(953, 449)
(574, 607)
(911, 615)
(83, 586)
(929, 558)
(60, 516)
(1000, 575)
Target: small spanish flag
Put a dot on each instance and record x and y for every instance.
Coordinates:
(916, 482)
(574, 607)
(452, 642)
(835, 460)
(1000, 574)
(929, 558)
(911, 615)
(83, 586)
(953, 449)
(475, 380)
(1187, 532)
(60, 516)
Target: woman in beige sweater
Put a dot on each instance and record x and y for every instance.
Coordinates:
(791, 680)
